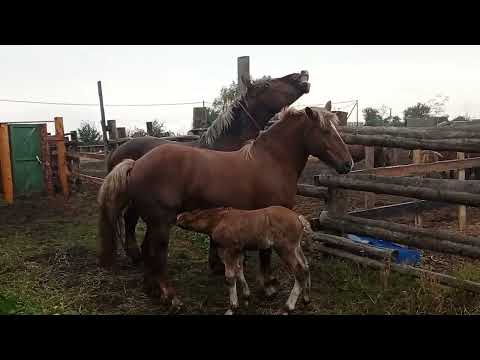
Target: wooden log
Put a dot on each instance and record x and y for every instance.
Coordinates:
(472, 186)
(429, 233)
(424, 193)
(112, 133)
(62, 156)
(417, 159)
(405, 269)
(349, 245)
(102, 120)
(431, 133)
(422, 169)
(312, 191)
(46, 161)
(460, 144)
(6, 164)
(97, 156)
(243, 70)
(411, 236)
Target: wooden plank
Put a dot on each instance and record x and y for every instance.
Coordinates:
(97, 156)
(61, 156)
(422, 169)
(462, 209)
(312, 191)
(369, 164)
(6, 164)
(429, 133)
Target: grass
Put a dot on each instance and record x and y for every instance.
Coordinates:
(48, 266)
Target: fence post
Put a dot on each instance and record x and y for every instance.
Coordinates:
(46, 160)
(149, 128)
(61, 155)
(369, 164)
(417, 159)
(243, 70)
(6, 165)
(112, 132)
(462, 209)
(121, 133)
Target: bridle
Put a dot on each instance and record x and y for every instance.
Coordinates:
(250, 117)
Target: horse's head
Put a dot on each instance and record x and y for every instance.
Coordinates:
(323, 140)
(275, 94)
(199, 220)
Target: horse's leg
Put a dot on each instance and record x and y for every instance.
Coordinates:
(231, 270)
(216, 264)
(267, 281)
(157, 239)
(296, 263)
(243, 281)
(131, 247)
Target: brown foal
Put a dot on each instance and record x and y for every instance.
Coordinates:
(233, 231)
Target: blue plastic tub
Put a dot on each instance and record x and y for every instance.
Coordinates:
(405, 255)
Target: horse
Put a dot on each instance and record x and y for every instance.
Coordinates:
(174, 178)
(382, 156)
(234, 231)
(240, 122)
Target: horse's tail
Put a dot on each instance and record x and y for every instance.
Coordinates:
(307, 230)
(112, 199)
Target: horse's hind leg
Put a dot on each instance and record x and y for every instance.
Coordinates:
(157, 239)
(131, 247)
(267, 281)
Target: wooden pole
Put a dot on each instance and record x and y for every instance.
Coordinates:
(243, 70)
(61, 156)
(369, 164)
(432, 133)
(149, 128)
(312, 191)
(112, 132)
(417, 159)
(121, 133)
(102, 113)
(462, 209)
(6, 164)
(416, 239)
(46, 160)
(405, 269)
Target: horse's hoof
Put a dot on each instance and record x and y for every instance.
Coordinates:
(270, 292)
(229, 312)
(306, 300)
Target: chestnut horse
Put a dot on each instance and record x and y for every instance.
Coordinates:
(174, 178)
(234, 231)
(242, 121)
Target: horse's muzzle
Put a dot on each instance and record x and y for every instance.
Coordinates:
(304, 84)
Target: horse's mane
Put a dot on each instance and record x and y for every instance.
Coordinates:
(326, 120)
(223, 124)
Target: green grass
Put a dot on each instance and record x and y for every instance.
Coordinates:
(48, 266)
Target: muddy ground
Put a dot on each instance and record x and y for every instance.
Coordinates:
(48, 266)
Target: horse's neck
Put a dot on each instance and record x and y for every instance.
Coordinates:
(241, 129)
(284, 142)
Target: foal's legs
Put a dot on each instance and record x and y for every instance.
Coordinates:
(241, 277)
(131, 247)
(231, 271)
(266, 279)
(297, 264)
(216, 264)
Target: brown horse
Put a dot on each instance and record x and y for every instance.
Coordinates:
(173, 178)
(381, 155)
(240, 122)
(233, 231)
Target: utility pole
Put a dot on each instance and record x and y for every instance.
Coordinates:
(243, 70)
(102, 112)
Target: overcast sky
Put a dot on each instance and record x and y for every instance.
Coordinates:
(395, 76)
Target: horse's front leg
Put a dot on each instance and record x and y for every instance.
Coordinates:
(267, 281)
(214, 261)
(131, 248)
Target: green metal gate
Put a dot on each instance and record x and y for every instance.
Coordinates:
(26, 153)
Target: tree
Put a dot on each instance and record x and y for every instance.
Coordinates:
(136, 132)
(396, 121)
(418, 111)
(437, 104)
(158, 129)
(372, 117)
(88, 133)
(462, 118)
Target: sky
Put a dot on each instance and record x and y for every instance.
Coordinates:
(394, 76)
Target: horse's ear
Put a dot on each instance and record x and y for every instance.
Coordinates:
(328, 106)
(310, 113)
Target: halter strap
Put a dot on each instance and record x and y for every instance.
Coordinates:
(250, 116)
